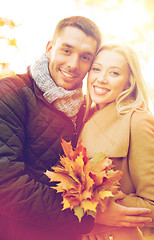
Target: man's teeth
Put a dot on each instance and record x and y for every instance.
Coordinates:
(67, 74)
(101, 90)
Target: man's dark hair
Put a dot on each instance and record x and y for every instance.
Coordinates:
(82, 23)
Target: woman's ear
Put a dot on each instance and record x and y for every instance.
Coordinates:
(48, 48)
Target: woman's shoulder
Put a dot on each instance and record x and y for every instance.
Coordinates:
(141, 120)
(92, 110)
(141, 115)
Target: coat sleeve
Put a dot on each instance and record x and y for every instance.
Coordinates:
(21, 197)
(141, 162)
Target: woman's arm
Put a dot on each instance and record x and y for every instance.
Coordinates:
(141, 162)
(120, 216)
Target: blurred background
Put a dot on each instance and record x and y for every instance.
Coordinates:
(26, 27)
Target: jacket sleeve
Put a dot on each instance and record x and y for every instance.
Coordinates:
(141, 162)
(21, 197)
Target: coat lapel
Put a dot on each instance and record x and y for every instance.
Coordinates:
(107, 132)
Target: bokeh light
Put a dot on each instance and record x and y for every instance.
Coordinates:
(126, 21)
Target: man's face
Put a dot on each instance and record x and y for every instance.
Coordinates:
(70, 57)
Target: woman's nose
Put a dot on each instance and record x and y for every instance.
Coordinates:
(102, 78)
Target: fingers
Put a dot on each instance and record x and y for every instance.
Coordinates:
(136, 211)
(119, 195)
(132, 221)
(138, 220)
(130, 224)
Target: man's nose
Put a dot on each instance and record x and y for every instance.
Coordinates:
(73, 62)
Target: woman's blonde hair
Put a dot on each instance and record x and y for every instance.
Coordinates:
(135, 96)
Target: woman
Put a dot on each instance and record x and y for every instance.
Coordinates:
(121, 125)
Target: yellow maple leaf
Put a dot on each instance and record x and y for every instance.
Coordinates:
(77, 168)
(78, 211)
(104, 194)
(86, 194)
(67, 148)
(65, 162)
(100, 163)
(83, 182)
(89, 181)
(89, 205)
(97, 158)
(66, 204)
(65, 181)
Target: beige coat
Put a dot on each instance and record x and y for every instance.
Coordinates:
(129, 141)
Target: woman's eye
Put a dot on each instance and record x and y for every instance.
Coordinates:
(95, 69)
(115, 73)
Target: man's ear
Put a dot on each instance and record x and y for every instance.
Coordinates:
(48, 48)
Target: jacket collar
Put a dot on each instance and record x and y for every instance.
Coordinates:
(107, 132)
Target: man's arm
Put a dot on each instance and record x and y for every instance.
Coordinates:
(22, 197)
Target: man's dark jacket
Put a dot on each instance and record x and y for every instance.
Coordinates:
(30, 143)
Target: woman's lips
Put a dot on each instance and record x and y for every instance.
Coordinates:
(100, 90)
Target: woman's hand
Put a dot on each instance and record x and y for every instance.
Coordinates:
(120, 216)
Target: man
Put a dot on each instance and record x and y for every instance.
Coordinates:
(36, 110)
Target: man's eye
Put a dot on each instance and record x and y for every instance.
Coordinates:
(86, 58)
(66, 51)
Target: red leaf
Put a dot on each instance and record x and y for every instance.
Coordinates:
(67, 148)
(83, 150)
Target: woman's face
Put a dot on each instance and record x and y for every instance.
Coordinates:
(108, 77)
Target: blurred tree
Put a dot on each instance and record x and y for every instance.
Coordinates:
(5, 66)
(95, 2)
(5, 21)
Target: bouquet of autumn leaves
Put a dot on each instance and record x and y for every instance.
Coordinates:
(83, 182)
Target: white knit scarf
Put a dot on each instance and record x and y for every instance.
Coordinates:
(67, 101)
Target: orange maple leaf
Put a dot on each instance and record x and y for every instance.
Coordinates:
(83, 182)
(67, 148)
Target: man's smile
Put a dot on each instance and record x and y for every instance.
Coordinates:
(67, 74)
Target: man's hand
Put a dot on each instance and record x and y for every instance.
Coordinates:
(120, 216)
